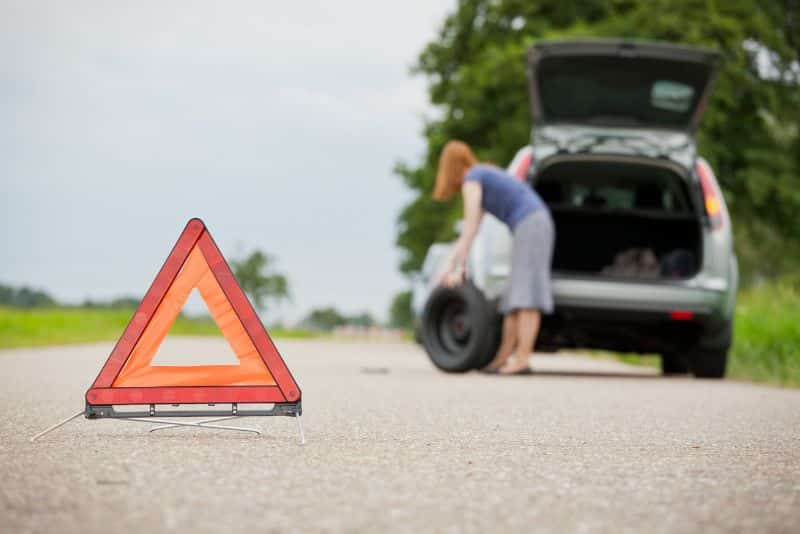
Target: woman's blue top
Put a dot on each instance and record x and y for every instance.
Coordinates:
(504, 196)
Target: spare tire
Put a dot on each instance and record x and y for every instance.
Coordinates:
(459, 328)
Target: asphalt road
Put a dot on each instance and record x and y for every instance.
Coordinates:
(393, 445)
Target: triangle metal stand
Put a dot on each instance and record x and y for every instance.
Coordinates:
(152, 416)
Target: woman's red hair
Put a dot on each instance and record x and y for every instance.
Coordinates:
(455, 161)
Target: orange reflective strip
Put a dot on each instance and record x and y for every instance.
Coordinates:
(138, 370)
(198, 375)
(223, 314)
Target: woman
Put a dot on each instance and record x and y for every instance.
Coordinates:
(528, 294)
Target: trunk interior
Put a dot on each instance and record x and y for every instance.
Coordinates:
(621, 219)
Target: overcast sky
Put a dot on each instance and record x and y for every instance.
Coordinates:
(278, 123)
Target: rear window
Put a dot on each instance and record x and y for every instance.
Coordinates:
(605, 90)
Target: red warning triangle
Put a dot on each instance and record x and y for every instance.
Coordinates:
(128, 376)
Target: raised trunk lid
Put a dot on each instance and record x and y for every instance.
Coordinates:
(616, 83)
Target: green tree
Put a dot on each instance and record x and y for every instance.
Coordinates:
(475, 69)
(364, 319)
(324, 319)
(257, 277)
(25, 297)
(400, 314)
(329, 318)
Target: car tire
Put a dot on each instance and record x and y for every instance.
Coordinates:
(709, 363)
(459, 328)
(674, 363)
(710, 357)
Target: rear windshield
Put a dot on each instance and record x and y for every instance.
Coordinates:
(629, 92)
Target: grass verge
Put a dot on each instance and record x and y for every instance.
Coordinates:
(59, 326)
(766, 341)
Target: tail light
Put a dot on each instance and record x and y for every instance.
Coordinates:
(521, 171)
(712, 196)
(681, 315)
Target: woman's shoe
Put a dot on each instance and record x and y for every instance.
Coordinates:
(524, 367)
(520, 372)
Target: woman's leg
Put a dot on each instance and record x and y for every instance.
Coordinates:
(508, 342)
(528, 321)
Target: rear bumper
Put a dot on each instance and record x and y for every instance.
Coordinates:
(700, 296)
(632, 316)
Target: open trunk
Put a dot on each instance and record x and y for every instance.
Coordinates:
(621, 217)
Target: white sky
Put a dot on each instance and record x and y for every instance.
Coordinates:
(278, 123)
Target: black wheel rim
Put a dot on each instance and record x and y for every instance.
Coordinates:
(454, 327)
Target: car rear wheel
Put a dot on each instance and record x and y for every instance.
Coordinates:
(459, 329)
(709, 363)
(710, 357)
(674, 363)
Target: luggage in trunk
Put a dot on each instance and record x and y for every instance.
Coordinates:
(621, 218)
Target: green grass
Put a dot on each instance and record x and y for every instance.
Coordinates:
(59, 326)
(766, 343)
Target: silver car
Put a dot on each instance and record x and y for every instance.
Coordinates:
(643, 259)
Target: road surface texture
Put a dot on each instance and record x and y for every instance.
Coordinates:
(585, 445)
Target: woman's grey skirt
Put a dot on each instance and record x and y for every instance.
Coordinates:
(529, 285)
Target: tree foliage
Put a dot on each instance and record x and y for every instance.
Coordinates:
(475, 69)
(324, 319)
(400, 314)
(363, 319)
(329, 318)
(24, 297)
(119, 303)
(257, 277)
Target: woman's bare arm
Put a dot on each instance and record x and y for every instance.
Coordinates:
(473, 213)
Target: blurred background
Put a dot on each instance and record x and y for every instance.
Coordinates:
(277, 123)
(749, 132)
(306, 136)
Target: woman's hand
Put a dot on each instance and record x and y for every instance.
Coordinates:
(456, 276)
(452, 273)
